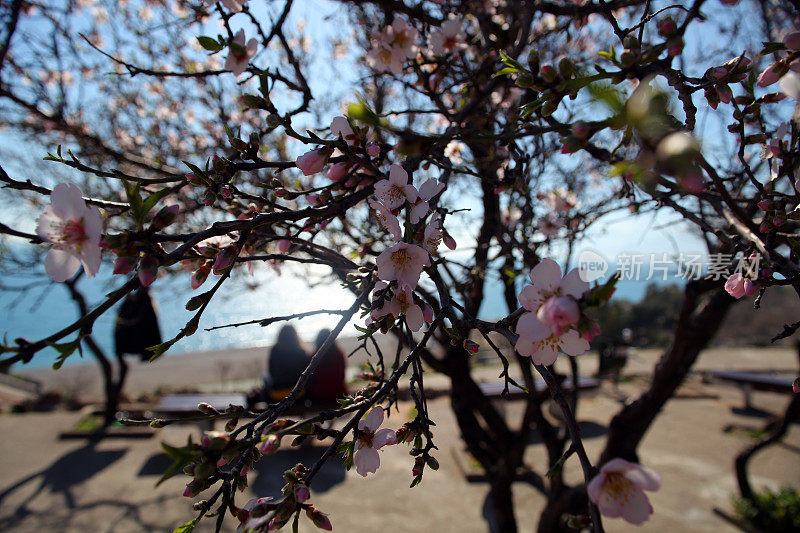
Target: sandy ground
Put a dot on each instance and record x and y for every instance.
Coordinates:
(53, 485)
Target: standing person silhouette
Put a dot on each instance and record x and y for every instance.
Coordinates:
(327, 382)
(137, 328)
(287, 360)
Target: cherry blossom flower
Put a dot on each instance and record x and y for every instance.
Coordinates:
(432, 237)
(338, 171)
(790, 85)
(428, 190)
(369, 440)
(312, 162)
(386, 219)
(618, 490)
(447, 38)
(393, 46)
(542, 340)
(341, 126)
(239, 56)
(402, 262)
(73, 229)
(396, 190)
(402, 303)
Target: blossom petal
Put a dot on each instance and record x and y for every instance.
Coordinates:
(531, 328)
(573, 285)
(61, 264)
(414, 318)
(595, 487)
(573, 344)
(67, 201)
(93, 224)
(430, 188)
(90, 258)
(366, 461)
(530, 298)
(546, 355)
(636, 509)
(373, 420)
(546, 276)
(644, 478)
(383, 437)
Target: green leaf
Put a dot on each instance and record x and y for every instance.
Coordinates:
(601, 294)
(135, 201)
(153, 199)
(159, 349)
(417, 481)
(511, 62)
(504, 71)
(771, 47)
(188, 527)
(363, 113)
(65, 350)
(209, 43)
(181, 457)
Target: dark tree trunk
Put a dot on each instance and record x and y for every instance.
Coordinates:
(112, 387)
(779, 428)
(696, 326)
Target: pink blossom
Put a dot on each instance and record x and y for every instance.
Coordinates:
(73, 229)
(283, 245)
(341, 126)
(338, 171)
(790, 85)
(559, 313)
(428, 190)
(394, 192)
(542, 340)
(541, 344)
(369, 440)
(447, 38)
(618, 490)
(393, 46)
(739, 286)
(239, 57)
(402, 262)
(402, 303)
(432, 237)
(311, 162)
(386, 219)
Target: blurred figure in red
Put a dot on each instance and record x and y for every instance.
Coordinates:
(327, 382)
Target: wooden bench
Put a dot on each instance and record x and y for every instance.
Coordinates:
(749, 381)
(494, 389)
(185, 406)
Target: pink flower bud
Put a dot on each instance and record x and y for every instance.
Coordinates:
(771, 74)
(270, 444)
(373, 150)
(750, 287)
(796, 386)
(725, 93)
(427, 314)
(338, 171)
(224, 259)
(313, 199)
(311, 162)
(735, 286)
(283, 245)
(301, 493)
(765, 205)
(792, 41)
(559, 313)
(199, 276)
(675, 50)
(124, 265)
(471, 346)
(449, 241)
(165, 217)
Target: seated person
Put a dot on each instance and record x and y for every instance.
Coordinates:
(327, 382)
(286, 363)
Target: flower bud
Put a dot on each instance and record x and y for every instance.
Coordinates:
(124, 265)
(200, 275)
(224, 259)
(270, 444)
(470, 346)
(301, 493)
(148, 268)
(318, 518)
(165, 217)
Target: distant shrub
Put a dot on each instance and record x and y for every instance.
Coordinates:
(776, 512)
